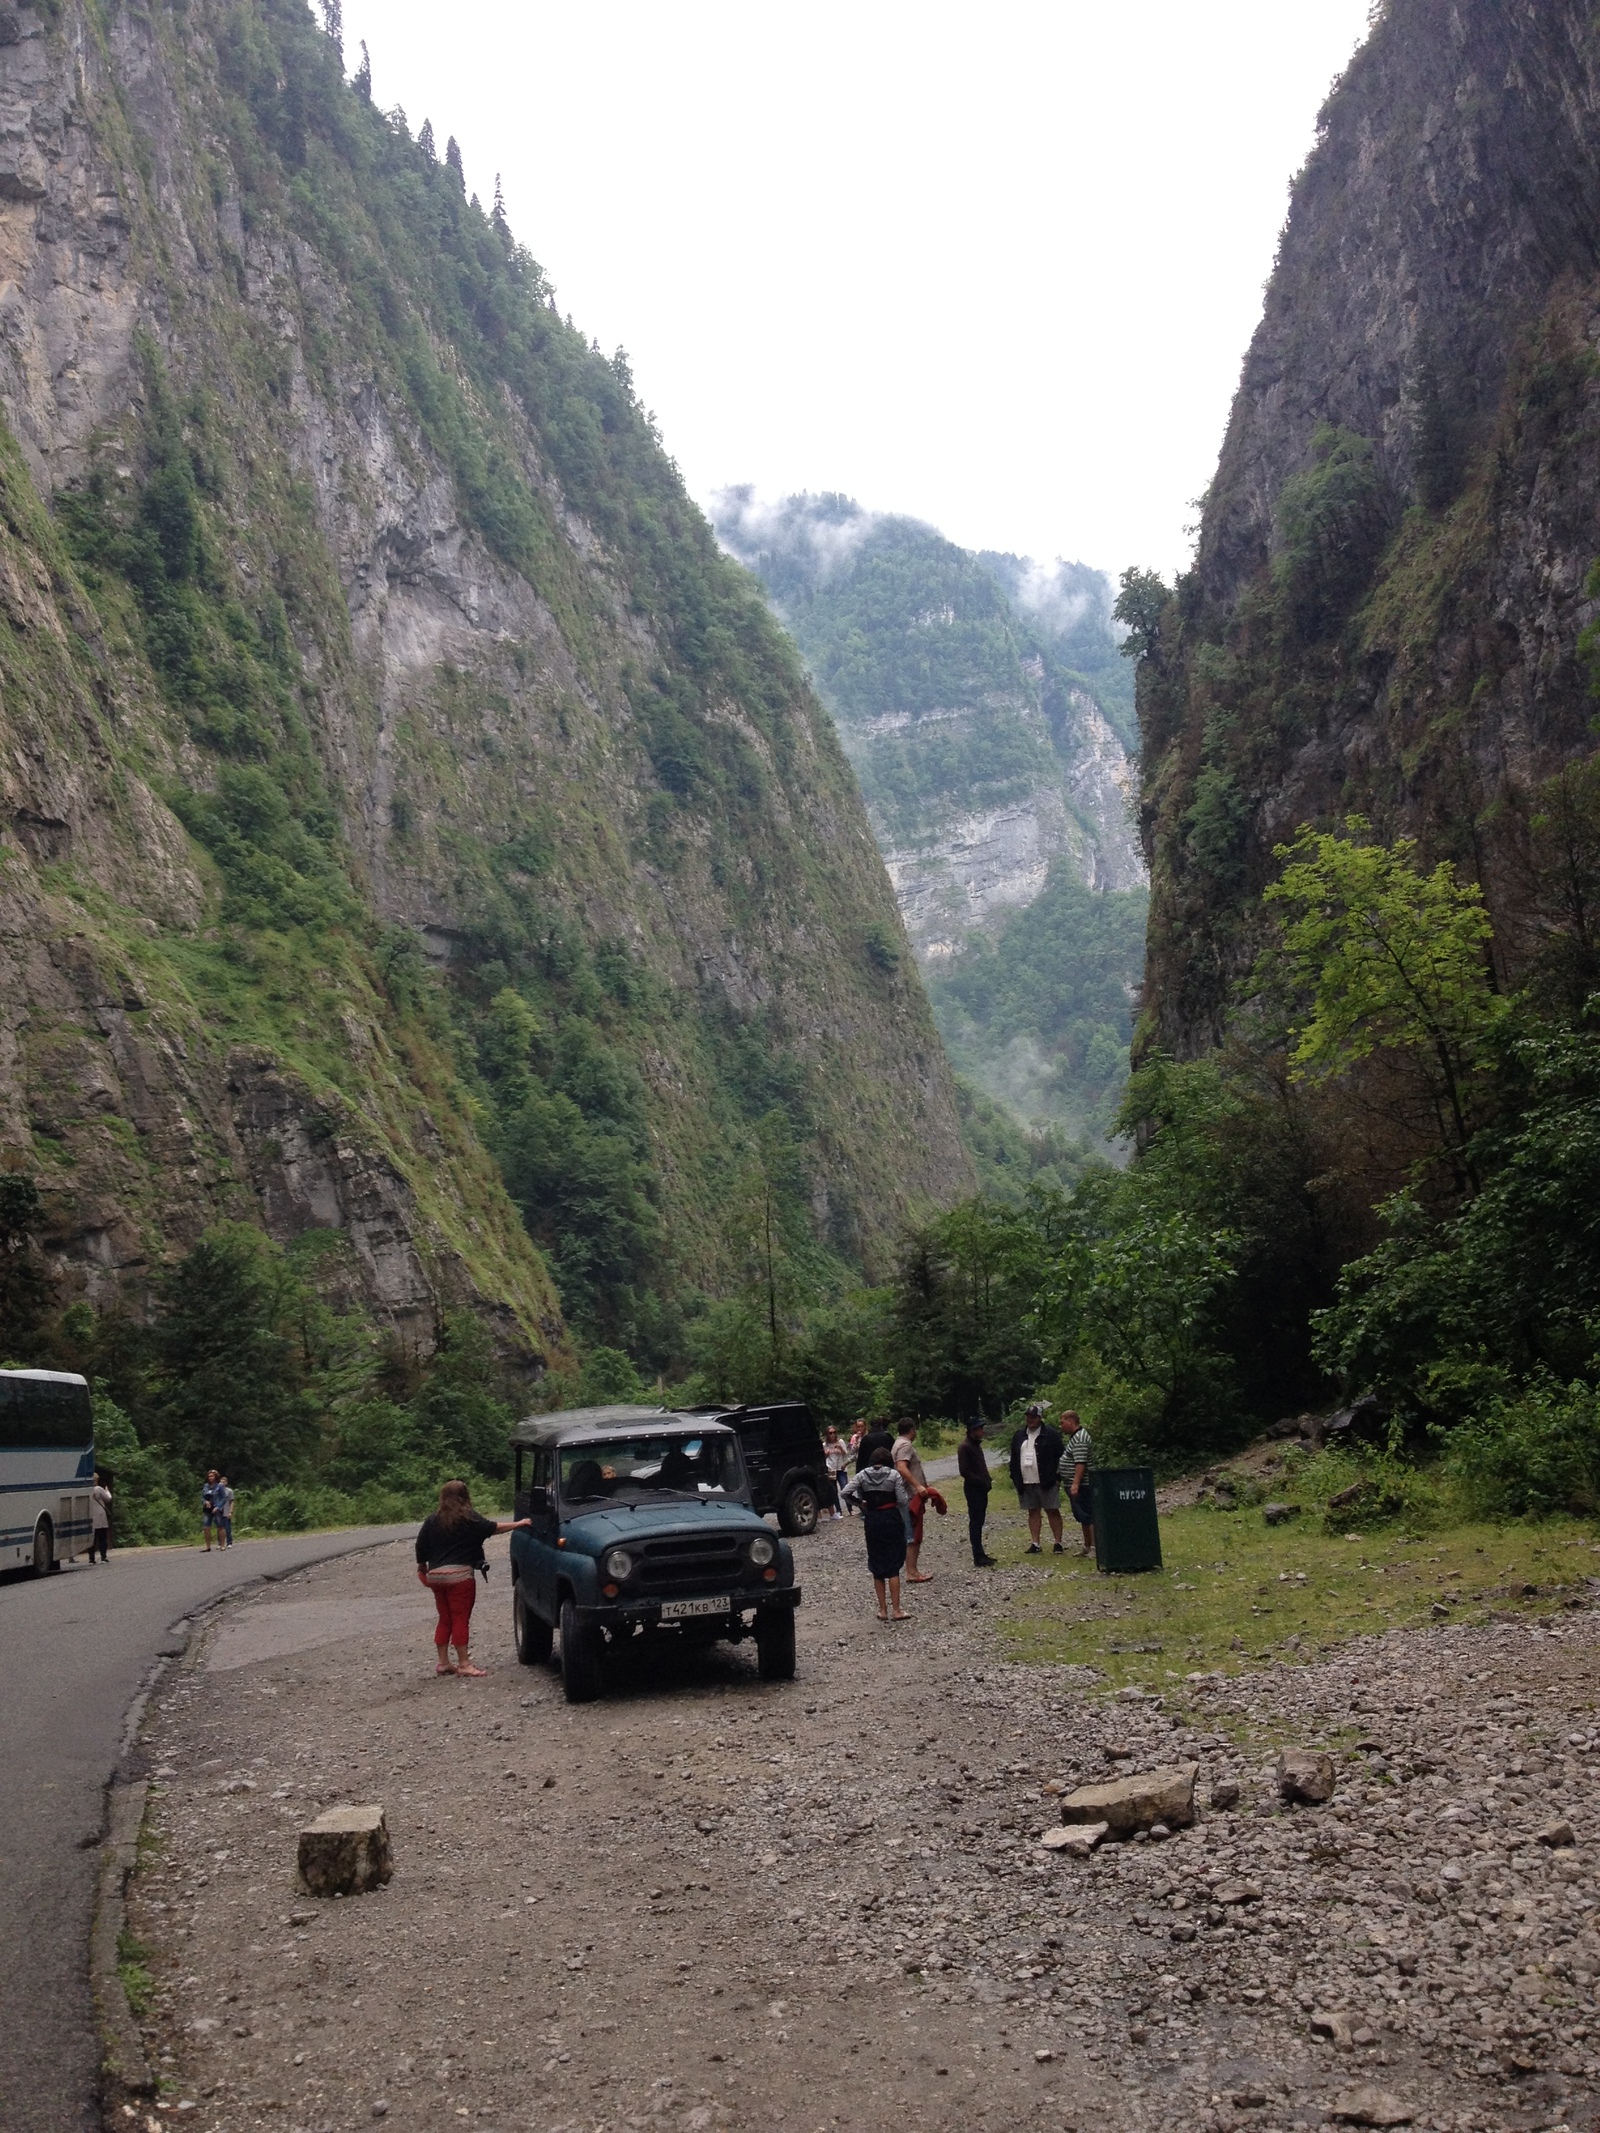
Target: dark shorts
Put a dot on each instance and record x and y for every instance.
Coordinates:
(1083, 1504)
(886, 1542)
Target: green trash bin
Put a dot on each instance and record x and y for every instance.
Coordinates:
(1127, 1535)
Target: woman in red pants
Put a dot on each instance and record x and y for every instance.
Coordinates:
(449, 1553)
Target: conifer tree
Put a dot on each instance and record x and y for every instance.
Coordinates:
(362, 82)
(425, 141)
(497, 214)
(452, 163)
(333, 23)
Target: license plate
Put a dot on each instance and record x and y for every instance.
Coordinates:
(677, 1610)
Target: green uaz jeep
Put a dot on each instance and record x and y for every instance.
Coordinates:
(642, 1527)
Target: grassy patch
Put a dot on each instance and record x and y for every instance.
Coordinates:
(137, 1983)
(1237, 1593)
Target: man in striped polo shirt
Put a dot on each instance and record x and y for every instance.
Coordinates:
(1080, 1490)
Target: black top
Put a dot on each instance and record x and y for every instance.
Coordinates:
(971, 1464)
(1048, 1451)
(875, 1441)
(438, 1545)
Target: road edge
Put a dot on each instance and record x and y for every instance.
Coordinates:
(124, 2070)
(126, 2075)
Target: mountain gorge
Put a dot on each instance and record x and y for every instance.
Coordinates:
(412, 829)
(987, 710)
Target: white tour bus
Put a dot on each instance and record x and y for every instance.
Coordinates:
(46, 1467)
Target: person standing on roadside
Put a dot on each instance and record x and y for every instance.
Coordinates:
(225, 1503)
(208, 1507)
(449, 1556)
(883, 1496)
(1080, 1489)
(99, 1519)
(1036, 1454)
(835, 1458)
(976, 1482)
(908, 1465)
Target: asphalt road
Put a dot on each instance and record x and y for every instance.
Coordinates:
(74, 1649)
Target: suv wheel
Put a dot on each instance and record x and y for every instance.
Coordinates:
(580, 1656)
(801, 1509)
(775, 1644)
(533, 1635)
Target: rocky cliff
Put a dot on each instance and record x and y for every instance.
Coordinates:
(386, 751)
(1388, 605)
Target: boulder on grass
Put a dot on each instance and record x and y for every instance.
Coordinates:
(1279, 1514)
(345, 1852)
(1132, 1803)
(1305, 1777)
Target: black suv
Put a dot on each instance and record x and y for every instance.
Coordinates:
(783, 1457)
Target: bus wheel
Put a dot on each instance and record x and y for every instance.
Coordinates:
(44, 1549)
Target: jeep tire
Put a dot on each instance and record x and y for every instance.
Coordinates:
(801, 1508)
(775, 1643)
(532, 1635)
(580, 1656)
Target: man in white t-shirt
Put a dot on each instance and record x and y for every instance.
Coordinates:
(1036, 1452)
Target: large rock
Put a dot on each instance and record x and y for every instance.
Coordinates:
(1305, 1776)
(1132, 1803)
(345, 1852)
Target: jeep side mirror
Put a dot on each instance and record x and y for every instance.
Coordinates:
(538, 1503)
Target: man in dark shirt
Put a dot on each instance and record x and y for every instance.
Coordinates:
(876, 1445)
(976, 1483)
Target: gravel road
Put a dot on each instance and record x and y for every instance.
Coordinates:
(709, 1902)
(73, 1651)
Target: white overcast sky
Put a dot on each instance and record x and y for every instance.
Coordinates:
(992, 265)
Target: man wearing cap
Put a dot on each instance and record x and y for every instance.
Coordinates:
(1036, 1454)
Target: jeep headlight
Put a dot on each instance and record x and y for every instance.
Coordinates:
(762, 1549)
(618, 1565)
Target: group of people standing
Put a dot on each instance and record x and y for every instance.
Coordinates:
(892, 1492)
(216, 1510)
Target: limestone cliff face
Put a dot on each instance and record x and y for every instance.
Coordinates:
(311, 487)
(1392, 579)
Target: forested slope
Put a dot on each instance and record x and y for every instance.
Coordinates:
(399, 793)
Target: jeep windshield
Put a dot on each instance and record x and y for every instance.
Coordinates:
(646, 1469)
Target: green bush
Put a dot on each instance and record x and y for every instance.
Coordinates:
(1361, 1486)
(1530, 1454)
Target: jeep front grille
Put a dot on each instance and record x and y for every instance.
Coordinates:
(701, 1561)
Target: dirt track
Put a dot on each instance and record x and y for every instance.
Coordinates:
(710, 1902)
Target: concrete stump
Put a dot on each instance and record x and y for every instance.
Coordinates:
(345, 1852)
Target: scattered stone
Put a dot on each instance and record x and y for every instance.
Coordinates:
(1559, 1836)
(1305, 1776)
(1131, 1803)
(1371, 2107)
(1232, 1892)
(345, 1852)
(1279, 1514)
(1224, 1794)
(1043, 2058)
(1078, 1842)
(1335, 2025)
